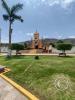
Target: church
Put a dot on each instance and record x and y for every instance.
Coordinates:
(36, 42)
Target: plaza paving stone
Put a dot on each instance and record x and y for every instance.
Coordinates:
(8, 92)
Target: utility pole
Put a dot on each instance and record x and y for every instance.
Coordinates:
(0, 40)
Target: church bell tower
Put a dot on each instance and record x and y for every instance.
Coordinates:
(36, 43)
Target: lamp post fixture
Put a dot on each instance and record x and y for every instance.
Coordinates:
(0, 40)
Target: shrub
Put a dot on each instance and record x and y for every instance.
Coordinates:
(36, 57)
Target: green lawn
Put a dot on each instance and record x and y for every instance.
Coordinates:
(49, 78)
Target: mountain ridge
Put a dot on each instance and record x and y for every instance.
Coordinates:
(52, 40)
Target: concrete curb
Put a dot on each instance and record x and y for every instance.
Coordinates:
(18, 87)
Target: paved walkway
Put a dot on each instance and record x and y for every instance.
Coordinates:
(47, 54)
(8, 92)
(41, 54)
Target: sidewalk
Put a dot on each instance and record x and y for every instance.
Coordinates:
(8, 92)
(40, 54)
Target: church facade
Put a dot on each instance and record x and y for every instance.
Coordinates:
(36, 42)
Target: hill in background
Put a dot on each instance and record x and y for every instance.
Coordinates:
(47, 41)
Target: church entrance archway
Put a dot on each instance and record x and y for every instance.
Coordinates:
(36, 47)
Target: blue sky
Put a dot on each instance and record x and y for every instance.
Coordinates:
(51, 18)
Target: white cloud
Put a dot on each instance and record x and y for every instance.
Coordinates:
(66, 3)
(72, 36)
(62, 3)
(60, 37)
(29, 34)
(45, 36)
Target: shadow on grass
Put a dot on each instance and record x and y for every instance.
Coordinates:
(23, 56)
(66, 56)
(15, 57)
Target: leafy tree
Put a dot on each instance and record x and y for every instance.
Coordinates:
(53, 44)
(25, 45)
(11, 16)
(60, 41)
(63, 47)
(17, 47)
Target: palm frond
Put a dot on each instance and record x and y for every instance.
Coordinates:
(16, 8)
(5, 17)
(5, 6)
(16, 17)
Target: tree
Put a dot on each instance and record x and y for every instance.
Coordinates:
(60, 41)
(11, 16)
(25, 45)
(17, 47)
(63, 47)
(53, 44)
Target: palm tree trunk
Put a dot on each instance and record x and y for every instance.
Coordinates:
(10, 33)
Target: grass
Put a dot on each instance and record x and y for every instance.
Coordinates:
(39, 76)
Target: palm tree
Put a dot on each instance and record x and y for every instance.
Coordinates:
(11, 16)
